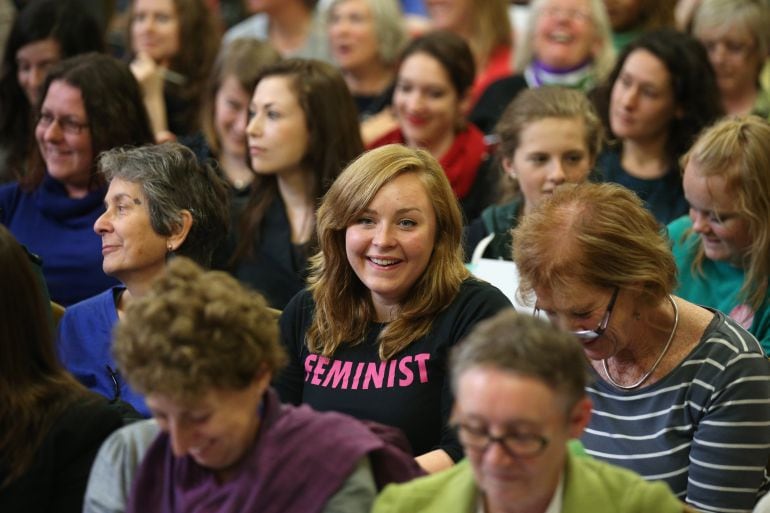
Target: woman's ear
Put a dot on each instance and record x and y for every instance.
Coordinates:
(180, 232)
(579, 417)
(508, 167)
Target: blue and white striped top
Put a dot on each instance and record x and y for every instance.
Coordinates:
(704, 428)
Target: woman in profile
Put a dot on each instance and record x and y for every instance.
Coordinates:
(50, 426)
(302, 131)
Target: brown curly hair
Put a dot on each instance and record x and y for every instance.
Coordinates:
(196, 331)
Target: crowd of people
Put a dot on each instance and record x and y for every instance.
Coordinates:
(342, 256)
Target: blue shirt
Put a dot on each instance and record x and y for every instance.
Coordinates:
(60, 230)
(85, 348)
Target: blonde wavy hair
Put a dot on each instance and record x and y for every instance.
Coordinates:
(737, 149)
(344, 306)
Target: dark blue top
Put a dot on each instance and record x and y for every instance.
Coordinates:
(60, 230)
(663, 196)
(410, 391)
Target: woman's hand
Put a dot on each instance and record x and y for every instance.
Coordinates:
(151, 77)
(434, 461)
(148, 73)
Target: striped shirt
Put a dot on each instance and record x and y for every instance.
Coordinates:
(704, 428)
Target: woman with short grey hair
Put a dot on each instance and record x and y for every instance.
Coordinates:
(160, 203)
(365, 39)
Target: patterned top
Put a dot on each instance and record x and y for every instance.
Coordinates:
(704, 428)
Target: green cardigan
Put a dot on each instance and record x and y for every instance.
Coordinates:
(590, 485)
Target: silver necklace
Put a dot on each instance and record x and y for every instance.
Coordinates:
(654, 365)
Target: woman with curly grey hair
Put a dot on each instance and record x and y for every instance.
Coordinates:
(160, 203)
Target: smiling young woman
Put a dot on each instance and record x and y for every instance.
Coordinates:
(722, 248)
(388, 297)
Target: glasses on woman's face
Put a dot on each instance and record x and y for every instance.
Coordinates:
(599, 331)
(68, 125)
(516, 445)
(579, 15)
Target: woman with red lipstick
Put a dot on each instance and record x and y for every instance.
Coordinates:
(160, 203)
(173, 45)
(430, 101)
(660, 94)
(90, 103)
(568, 43)
(722, 249)
(679, 391)
(388, 297)
(302, 131)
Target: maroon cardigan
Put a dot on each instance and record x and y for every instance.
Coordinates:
(298, 461)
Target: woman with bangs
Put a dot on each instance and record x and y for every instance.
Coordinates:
(430, 102)
(225, 111)
(388, 297)
(722, 249)
(39, 38)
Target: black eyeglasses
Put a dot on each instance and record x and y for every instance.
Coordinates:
(516, 445)
(599, 331)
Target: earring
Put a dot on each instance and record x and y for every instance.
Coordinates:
(637, 316)
(169, 247)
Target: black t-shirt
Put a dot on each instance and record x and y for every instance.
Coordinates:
(410, 391)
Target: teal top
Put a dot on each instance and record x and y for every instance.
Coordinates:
(717, 286)
(589, 485)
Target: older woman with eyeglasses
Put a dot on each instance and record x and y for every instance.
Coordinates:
(90, 103)
(519, 401)
(680, 391)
